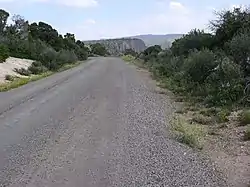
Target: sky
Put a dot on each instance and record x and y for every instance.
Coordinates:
(96, 19)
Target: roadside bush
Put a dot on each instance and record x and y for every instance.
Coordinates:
(224, 85)
(247, 134)
(167, 65)
(4, 53)
(22, 71)
(199, 65)
(37, 68)
(239, 49)
(48, 58)
(81, 54)
(66, 56)
(128, 58)
(222, 116)
(9, 77)
(194, 40)
(245, 117)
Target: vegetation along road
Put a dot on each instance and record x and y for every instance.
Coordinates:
(98, 124)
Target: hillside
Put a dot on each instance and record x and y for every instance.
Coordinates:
(118, 46)
(164, 41)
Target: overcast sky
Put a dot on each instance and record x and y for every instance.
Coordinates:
(95, 19)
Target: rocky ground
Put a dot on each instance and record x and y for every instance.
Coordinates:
(8, 67)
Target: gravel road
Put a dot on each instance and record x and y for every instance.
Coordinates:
(100, 124)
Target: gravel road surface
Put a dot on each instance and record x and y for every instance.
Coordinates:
(100, 124)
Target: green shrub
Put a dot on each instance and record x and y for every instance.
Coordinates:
(4, 53)
(66, 56)
(128, 58)
(9, 77)
(48, 58)
(199, 65)
(37, 68)
(247, 134)
(22, 71)
(245, 117)
(194, 40)
(239, 49)
(222, 116)
(224, 85)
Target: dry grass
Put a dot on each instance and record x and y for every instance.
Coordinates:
(204, 120)
(190, 134)
(21, 81)
(209, 111)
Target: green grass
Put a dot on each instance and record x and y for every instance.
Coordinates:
(17, 82)
(22, 81)
(189, 134)
(69, 66)
(128, 58)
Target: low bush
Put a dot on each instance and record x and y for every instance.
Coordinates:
(245, 117)
(9, 77)
(224, 84)
(37, 68)
(23, 71)
(48, 58)
(222, 116)
(247, 134)
(199, 65)
(128, 58)
(4, 53)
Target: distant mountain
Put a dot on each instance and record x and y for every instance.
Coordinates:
(118, 46)
(164, 41)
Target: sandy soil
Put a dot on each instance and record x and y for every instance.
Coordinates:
(7, 68)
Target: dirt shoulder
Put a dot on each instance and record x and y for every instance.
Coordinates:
(223, 142)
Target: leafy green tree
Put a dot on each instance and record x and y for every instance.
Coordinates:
(239, 49)
(195, 39)
(230, 23)
(130, 52)
(151, 52)
(98, 49)
(199, 65)
(4, 52)
(3, 20)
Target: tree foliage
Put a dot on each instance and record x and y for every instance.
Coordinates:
(195, 39)
(40, 42)
(4, 53)
(211, 67)
(98, 49)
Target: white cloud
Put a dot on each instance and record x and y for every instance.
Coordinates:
(78, 3)
(71, 3)
(90, 21)
(175, 5)
(165, 18)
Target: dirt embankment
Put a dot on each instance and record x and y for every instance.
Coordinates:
(8, 67)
